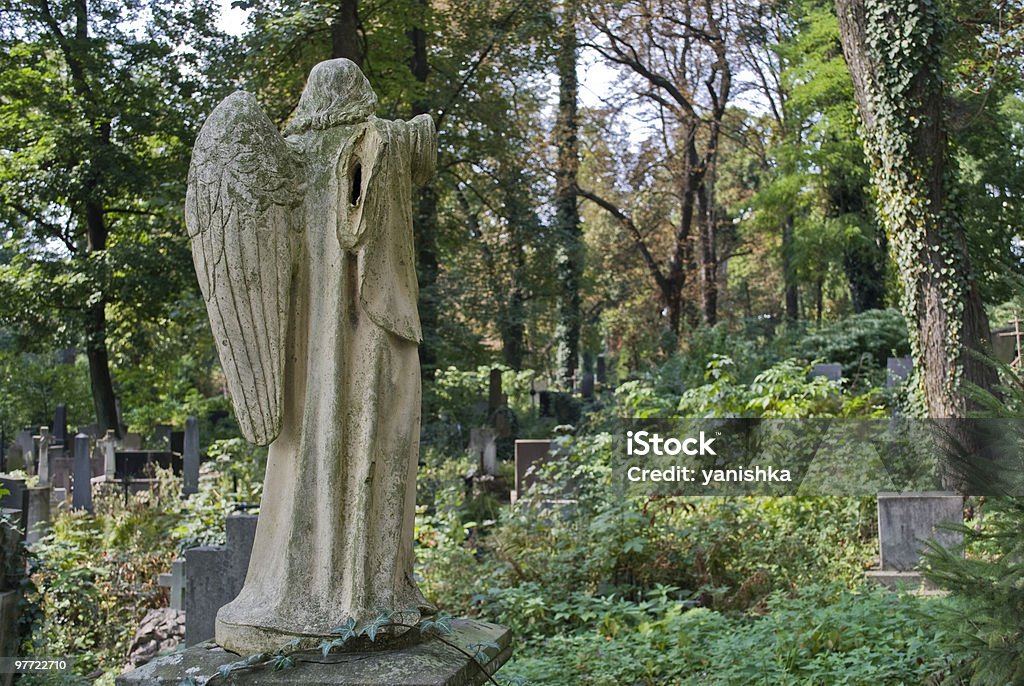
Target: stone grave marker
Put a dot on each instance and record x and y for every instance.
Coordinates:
(131, 441)
(214, 575)
(897, 369)
(602, 370)
(831, 371)
(81, 495)
(162, 436)
(190, 457)
(529, 452)
(106, 447)
(587, 385)
(45, 442)
(905, 521)
(495, 398)
(23, 439)
(60, 425)
(176, 583)
(484, 448)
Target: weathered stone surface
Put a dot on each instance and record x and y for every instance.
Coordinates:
(8, 630)
(907, 519)
(214, 575)
(428, 663)
(190, 457)
(160, 631)
(81, 494)
(831, 371)
(529, 453)
(304, 251)
(37, 512)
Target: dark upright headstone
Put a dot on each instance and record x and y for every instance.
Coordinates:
(495, 399)
(602, 371)
(587, 385)
(60, 425)
(190, 457)
(162, 435)
(81, 498)
(178, 442)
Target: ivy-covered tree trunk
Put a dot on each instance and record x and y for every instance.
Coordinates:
(569, 258)
(894, 53)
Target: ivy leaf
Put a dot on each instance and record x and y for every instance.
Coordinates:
(283, 662)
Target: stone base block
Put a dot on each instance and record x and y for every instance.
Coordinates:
(428, 663)
(912, 582)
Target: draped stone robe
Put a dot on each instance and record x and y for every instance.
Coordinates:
(335, 533)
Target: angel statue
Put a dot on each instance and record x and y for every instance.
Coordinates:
(304, 251)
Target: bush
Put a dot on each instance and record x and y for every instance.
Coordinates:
(861, 343)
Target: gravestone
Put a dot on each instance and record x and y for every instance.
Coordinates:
(177, 442)
(175, 583)
(37, 512)
(81, 494)
(131, 441)
(484, 449)
(214, 575)
(495, 398)
(45, 443)
(91, 430)
(23, 439)
(831, 371)
(106, 447)
(162, 436)
(139, 464)
(16, 498)
(905, 520)
(60, 425)
(529, 452)
(602, 370)
(897, 369)
(587, 385)
(190, 457)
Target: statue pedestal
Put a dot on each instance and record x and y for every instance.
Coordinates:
(429, 663)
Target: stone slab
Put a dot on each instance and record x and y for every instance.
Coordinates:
(429, 663)
(912, 582)
(905, 520)
(9, 638)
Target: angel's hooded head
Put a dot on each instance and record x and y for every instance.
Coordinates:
(336, 93)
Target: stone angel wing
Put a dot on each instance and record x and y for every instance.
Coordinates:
(244, 190)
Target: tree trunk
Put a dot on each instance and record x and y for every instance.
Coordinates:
(569, 259)
(900, 97)
(425, 223)
(345, 40)
(789, 273)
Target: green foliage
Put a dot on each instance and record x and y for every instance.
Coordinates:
(984, 619)
(33, 385)
(861, 342)
(821, 634)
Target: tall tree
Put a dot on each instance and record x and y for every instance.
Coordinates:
(570, 253)
(99, 108)
(677, 59)
(894, 52)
